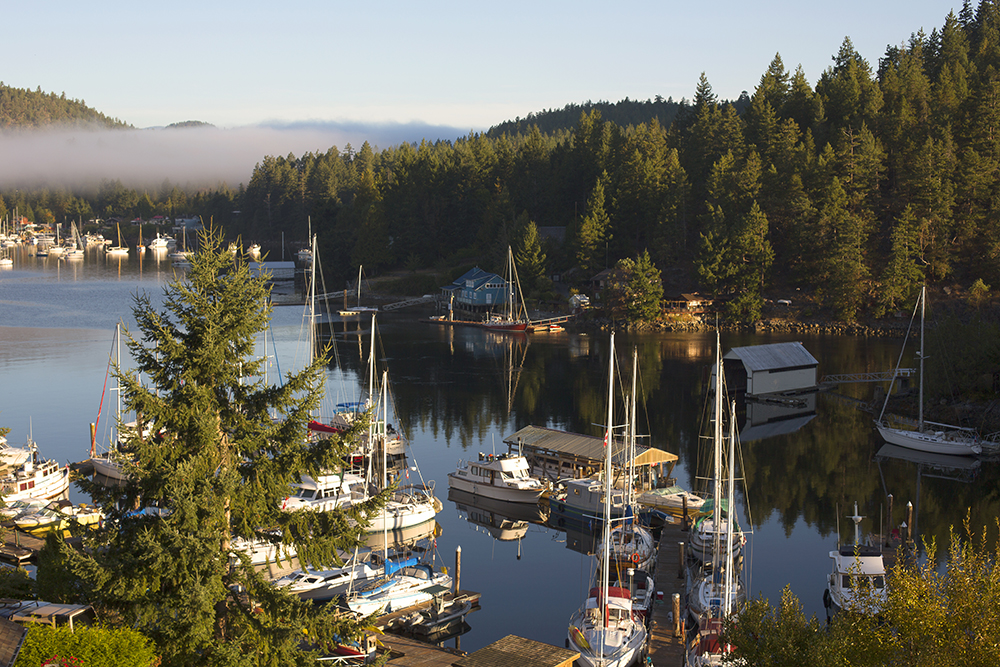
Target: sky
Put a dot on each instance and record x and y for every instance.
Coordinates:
(315, 71)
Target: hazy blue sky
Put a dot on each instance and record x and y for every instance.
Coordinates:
(465, 65)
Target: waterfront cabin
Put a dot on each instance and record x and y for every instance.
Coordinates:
(476, 291)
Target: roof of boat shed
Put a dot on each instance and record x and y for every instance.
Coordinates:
(772, 357)
(584, 446)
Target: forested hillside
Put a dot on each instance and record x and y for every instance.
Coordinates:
(856, 189)
(22, 108)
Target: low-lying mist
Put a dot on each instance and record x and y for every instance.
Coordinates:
(80, 159)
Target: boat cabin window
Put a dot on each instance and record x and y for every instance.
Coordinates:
(306, 494)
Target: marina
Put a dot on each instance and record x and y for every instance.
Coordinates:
(451, 392)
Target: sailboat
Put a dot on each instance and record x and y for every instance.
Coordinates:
(716, 590)
(359, 309)
(632, 546)
(119, 249)
(180, 257)
(515, 315)
(139, 248)
(413, 583)
(942, 438)
(606, 631)
(76, 252)
(108, 464)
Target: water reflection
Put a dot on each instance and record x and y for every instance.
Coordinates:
(458, 391)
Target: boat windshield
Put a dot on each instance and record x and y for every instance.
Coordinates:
(877, 581)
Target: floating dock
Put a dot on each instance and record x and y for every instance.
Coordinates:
(666, 645)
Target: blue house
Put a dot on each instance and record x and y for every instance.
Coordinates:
(477, 291)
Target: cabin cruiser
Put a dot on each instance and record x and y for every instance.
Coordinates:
(858, 577)
(502, 476)
(35, 477)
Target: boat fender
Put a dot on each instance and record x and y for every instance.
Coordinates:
(827, 602)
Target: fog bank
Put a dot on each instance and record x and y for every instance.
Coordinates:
(82, 158)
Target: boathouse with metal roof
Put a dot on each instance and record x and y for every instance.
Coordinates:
(770, 369)
(554, 454)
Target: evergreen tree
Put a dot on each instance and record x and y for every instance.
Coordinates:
(902, 274)
(530, 257)
(643, 288)
(595, 231)
(216, 463)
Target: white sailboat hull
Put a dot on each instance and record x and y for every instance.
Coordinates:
(107, 467)
(937, 442)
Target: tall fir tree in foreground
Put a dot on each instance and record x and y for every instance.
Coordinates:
(218, 452)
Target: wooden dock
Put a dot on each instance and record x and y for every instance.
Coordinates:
(407, 652)
(666, 649)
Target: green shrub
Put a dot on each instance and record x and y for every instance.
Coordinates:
(93, 646)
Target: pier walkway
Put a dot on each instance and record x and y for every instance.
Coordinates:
(665, 649)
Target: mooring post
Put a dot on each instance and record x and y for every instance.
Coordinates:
(677, 614)
(888, 523)
(684, 514)
(909, 521)
(458, 569)
(680, 560)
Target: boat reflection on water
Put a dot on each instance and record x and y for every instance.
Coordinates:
(402, 538)
(509, 522)
(503, 521)
(929, 464)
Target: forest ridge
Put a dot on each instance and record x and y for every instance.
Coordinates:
(857, 189)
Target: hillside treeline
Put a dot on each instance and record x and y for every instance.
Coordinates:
(856, 189)
(22, 108)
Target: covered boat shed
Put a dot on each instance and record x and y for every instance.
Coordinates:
(770, 369)
(554, 454)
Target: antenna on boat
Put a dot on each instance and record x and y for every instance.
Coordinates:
(857, 524)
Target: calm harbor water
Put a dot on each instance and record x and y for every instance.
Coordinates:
(460, 391)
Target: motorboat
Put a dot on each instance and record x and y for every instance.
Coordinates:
(857, 581)
(35, 477)
(672, 499)
(323, 585)
(582, 500)
(58, 517)
(12, 456)
(326, 492)
(407, 586)
(29, 505)
(500, 476)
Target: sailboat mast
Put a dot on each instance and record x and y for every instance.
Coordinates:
(920, 403)
(606, 541)
(118, 384)
(717, 441)
(629, 491)
(728, 584)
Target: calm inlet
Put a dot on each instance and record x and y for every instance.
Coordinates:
(461, 391)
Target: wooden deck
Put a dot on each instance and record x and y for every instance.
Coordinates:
(666, 649)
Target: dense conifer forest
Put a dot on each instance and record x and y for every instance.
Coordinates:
(855, 189)
(20, 108)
